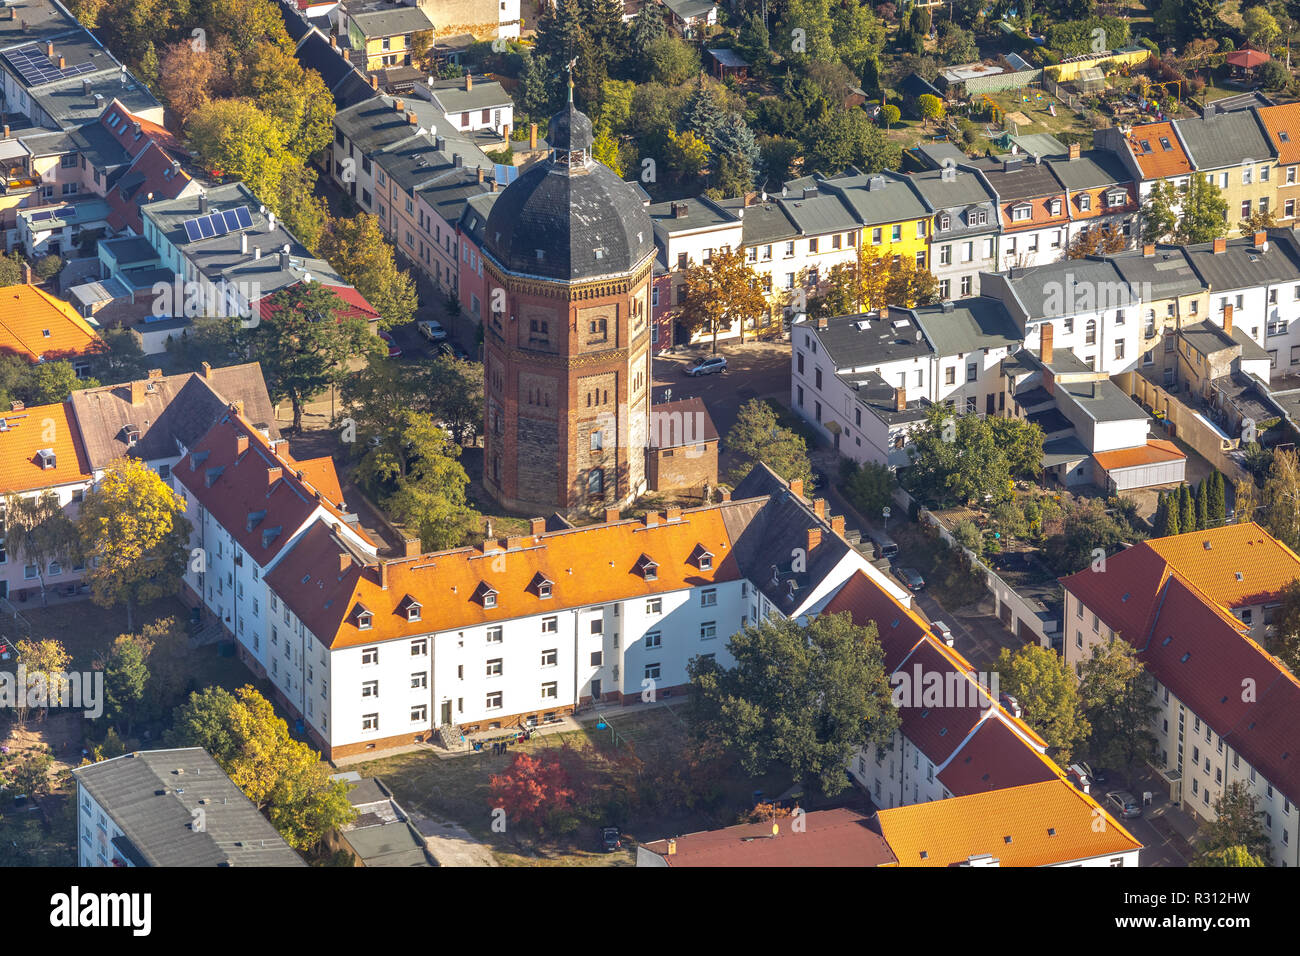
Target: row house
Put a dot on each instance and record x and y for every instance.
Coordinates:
(1033, 209)
(471, 104)
(1102, 193)
(893, 217)
(1282, 124)
(687, 233)
(1151, 152)
(1198, 608)
(383, 33)
(1233, 150)
(249, 501)
(964, 228)
(516, 632)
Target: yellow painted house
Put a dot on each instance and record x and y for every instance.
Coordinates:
(388, 34)
(894, 220)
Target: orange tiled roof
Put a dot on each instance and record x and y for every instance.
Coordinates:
(25, 433)
(1039, 824)
(589, 565)
(1156, 450)
(321, 474)
(1283, 119)
(36, 325)
(1265, 564)
(1158, 162)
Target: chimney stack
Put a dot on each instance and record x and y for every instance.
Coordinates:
(1261, 240)
(611, 515)
(137, 392)
(63, 63)
(334, 41)
(6, 131)
(814, 539)
(900, 399)
(273, 474)
(237, 407)
(241, 443)
(1227, 318)
(284, 261)
(819, 507)
(537, 526)
(1220, 245)
(837, 525)
(823, 323)
(532, 135)
(1074, 150)
(411, 547)
(203, 204)
(411, 119)
(155, 374)
(399, 106)
(243, 243)
(374, 81)
(49, 48)
(480, 174)
(345, 562)
(1045, 336)
(673, 514)
(469, 82)
(207, 370)
(796, 487)
(383, 574)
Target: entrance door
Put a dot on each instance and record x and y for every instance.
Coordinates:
(446, 713)
(595, 690)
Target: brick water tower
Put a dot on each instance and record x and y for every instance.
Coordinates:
(568, 252)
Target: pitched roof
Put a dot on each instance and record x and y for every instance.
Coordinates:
(36, 325)
(683, 422)
(154, 796)
(1224, 139)
(841, 837)
(1158, 151)
(1155, 451)
(41, 427)
(1039, 824)
(170, 412)
(1283, 126)
(152, 175)
(232, 471)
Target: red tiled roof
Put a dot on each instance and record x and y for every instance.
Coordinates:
(355, 304)
(1159, 163)
(238, 488)
(26, 432)
(840, 837)
(150, 173)
(993, 758)
(36, 325)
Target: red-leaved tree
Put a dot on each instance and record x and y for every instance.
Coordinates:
(533, 788)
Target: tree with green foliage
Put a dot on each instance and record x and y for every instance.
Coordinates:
(1195, 213)
(752, 39)
(280, 775)
(52, 382)
(1048, 694)
(125, 676)
(931, 107)
(1282, 494)
(803, 697)
(1216, 503)
(39, 531)
(46, 659)
(757, 436)
(870, 487)
(1233, 856)
(1186, 509)
(1115, 693)
(967, 458)
(891, 114)
(1238, 823)
(134, 536)
(305, 344)
(12, 269)
(455, 394)
(1202, 506)
(671, 61)
(849, 138)
(1284, 641)
(365, 258)
(1087, 530)
(29, 774)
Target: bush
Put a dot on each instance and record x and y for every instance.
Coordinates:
(1273, 75)
(1150, 45)
(870, 488)
(47, 267)
(968, 536)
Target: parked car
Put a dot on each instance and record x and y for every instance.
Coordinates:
(431, 330)
(1095, 774)
(451, 348)
(1123, 804)
(711, 365)
(911, 577)
(394, 349)
(610, 839)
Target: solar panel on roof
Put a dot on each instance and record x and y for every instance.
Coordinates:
(36, 69)
(192, 230)
(232, 221)
(218, 224)
(244, 216)
(205, 226)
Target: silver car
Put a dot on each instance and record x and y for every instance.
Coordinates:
(1123, 804)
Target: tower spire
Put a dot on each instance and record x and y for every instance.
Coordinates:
(569, 69)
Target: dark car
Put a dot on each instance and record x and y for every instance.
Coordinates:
(911, 577)
(610, 839)
(453, 349)
(711, 365)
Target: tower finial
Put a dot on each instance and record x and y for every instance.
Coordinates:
(569, 69)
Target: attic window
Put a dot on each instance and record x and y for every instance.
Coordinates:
(1146, 145)
(541, 586)
(1006, 839)
(1284, 136)
(541, 254)
(647, 568)
(364, 618)
(1165, 642)
(46, 459)
(413, 608)
(702, 558)
(925, 855)
(1240, 577)
(1126, 596)
(1051, 831)
(1164, 141)
(45, 333)
(1205, 545)
(486, 594)
(1184, 658)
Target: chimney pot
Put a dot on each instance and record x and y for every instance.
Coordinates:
(49, 48)
(273, 474)
(237, 407)
(399, 106)
(724, 495)
(374, 81)
(814, 539)
(469, 82)
(796, 487)
(1261, 238)
(480, 174)
(334, 41)
(411, 118)
(837, 525)
(383, 575)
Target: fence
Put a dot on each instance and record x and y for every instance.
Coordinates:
(1002, 81)
(1015, 612)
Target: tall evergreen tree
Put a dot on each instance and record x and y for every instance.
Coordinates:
(1218, 504)
(1186, 509)
(1160, 520)
(702, 114)
(1203, 505)
(1171, 514)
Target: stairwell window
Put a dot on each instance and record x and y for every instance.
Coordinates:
(708, 630)
(653, 639)
(370, 722)
(370, 688)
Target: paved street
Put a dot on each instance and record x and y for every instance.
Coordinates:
(754, 370)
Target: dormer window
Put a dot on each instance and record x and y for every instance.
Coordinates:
(364, 618)
(945, 222)
(702, 558)
(413, 609)
(647, 568)
(541, 586)
(486, 595)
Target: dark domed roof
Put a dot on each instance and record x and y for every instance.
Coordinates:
(570, 129)
(569, 223)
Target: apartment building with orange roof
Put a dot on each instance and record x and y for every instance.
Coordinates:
(376, 653)
(38, 327)
(1151, 151)
(40, 450)
(1198, 609)
(1039, 824)
(249, 501)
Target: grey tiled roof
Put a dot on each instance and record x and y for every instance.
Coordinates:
(1241, 265)
(1093, 169)
(855, 341)
(391, 21)
(155, 806)
(878, 197)
(1224, 140)
(972, 324)
(1165, 274)
(1069, 286)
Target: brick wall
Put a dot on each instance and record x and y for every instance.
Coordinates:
(673, 469)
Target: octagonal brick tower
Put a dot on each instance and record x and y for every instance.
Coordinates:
(568, 255)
